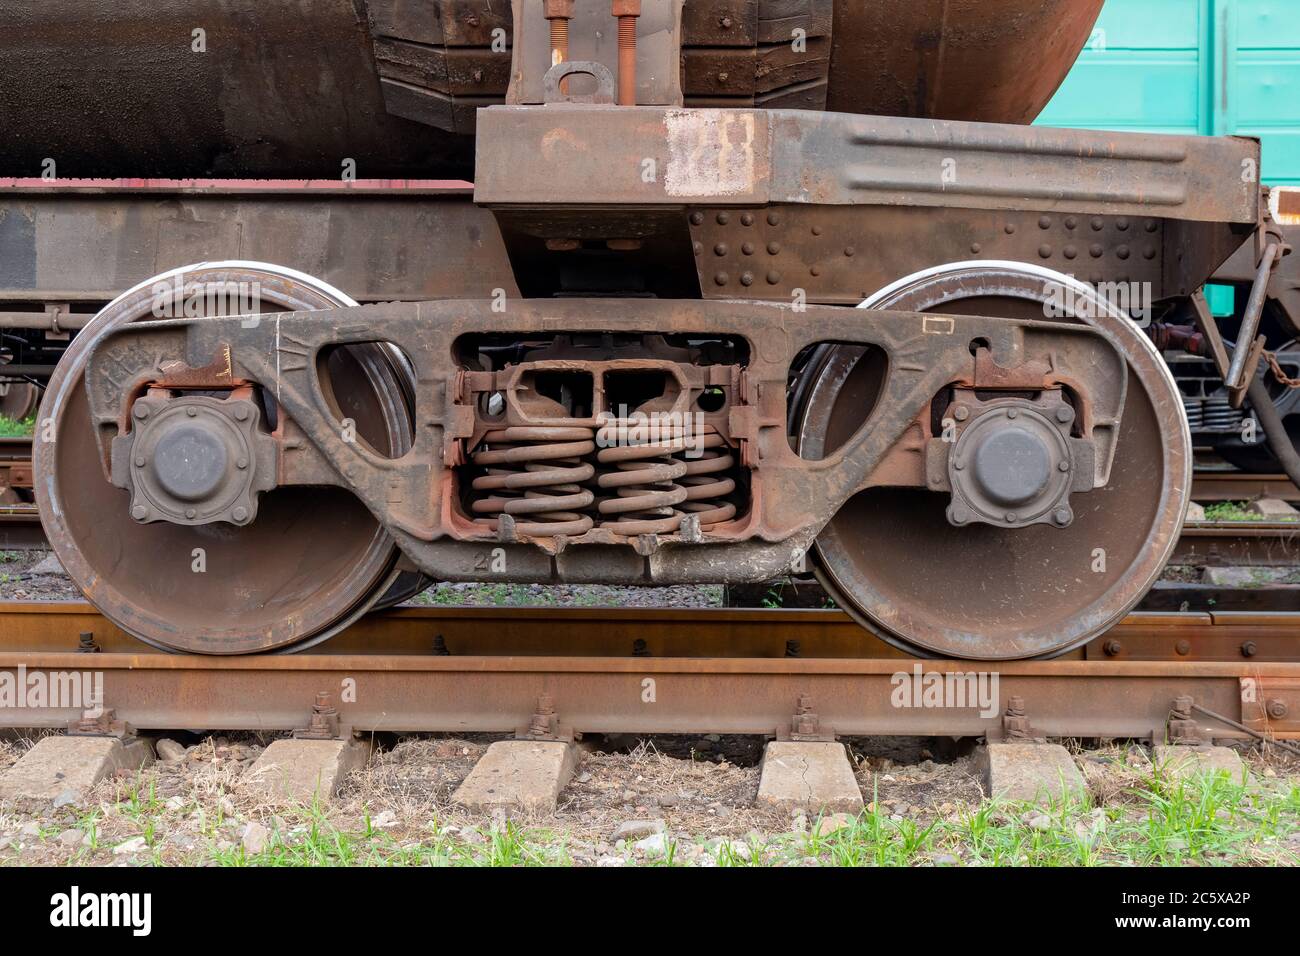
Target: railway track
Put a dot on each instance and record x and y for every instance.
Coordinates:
(800, 674)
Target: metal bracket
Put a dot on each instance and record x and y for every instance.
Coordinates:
(1271, 705)
(1182, 728)
(545, 723)
(604, 95)
(105, 725)
(806, 724)
(1015, 722)
(325, 723)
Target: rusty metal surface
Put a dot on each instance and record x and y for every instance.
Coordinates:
(1282, 304)
(755, 157)
(660, 694)
(994, 61)
(278, 90)
(87, 242)
(1239, 544)
(1212, 486)
(20, 529)
(395, 86)
(428, 332)
(910, 570)
(232, 588)
(56, 626)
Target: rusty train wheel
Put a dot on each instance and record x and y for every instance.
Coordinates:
(312, 561)
(892, 560)
(18, 400)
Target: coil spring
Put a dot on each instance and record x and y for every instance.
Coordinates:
(707, 483)
(1195, 412)
(535, 472)
(652, 480)
(1218, 415)
(643, 479)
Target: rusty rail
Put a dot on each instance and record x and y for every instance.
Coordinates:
(660, 671)
(1214, 486)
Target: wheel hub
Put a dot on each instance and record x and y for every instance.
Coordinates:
(1011, 464)
(194, 460)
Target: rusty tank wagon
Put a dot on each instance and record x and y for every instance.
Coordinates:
(737, 287)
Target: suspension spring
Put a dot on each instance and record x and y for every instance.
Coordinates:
(535, 472)
(1219, 415)
(707, 482)
(643, 479)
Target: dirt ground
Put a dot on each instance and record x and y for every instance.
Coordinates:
(679, 800)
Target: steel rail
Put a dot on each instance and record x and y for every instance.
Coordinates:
(1209, 487)
(660, 671)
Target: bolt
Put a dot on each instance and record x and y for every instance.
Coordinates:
(191, 411)
(1249, 649)
(139, 461)
(959, 464)
(1063, 466)
(190, 512)
(139, 512)
(1277, 709)
(1011, 517)
(961, 413)
(140, 410)
(1064, 414)
(1013, 413)
(1062, 516)
(240, 513)
(960, 515)
(1183, 648)
(627, 12)
(241, 412)
(1112, 648)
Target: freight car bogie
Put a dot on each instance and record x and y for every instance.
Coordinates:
(239, 482)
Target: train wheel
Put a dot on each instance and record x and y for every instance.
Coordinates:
(891, 558)
(313, 559)
(18, 400)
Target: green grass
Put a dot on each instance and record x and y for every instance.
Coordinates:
(12, 429)
(1230, 511)
(1160, 821)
